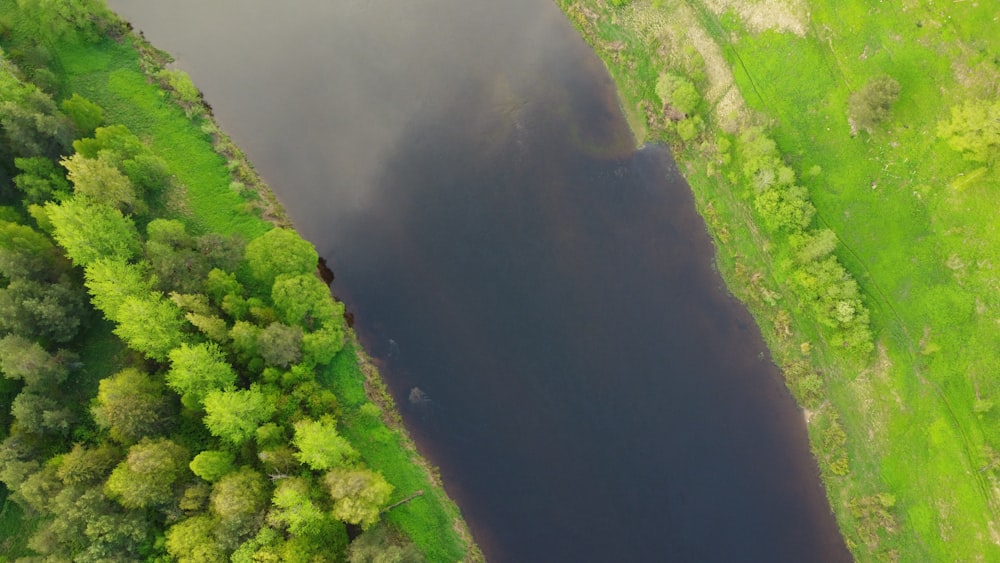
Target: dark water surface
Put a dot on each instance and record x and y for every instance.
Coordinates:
(593, 393)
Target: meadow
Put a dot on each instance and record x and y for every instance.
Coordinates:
(913, 419)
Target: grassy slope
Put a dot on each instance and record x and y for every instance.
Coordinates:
(919, 242)
(109, 74)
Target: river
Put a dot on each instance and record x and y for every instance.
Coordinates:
(587, 386)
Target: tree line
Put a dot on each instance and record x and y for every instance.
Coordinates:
(211, 440)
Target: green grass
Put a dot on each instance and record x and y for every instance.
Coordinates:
(110, 74)
(919, 233)
(429, 519)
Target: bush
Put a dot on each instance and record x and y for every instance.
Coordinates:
(871, 104)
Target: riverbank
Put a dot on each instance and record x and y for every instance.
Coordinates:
(872, 288)
(223, 194)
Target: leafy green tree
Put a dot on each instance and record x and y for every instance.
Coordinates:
(147, 476)
(359, 495)
(131, 405)
(85, 526)
(244, 336)
(280, 251)
(294, 507)
(815, 245)
(48, 311)
(973, 130)
(100, 181)
(280, 345)
(220, 284)
(193, 541)
(196, 370)
(85, 114)
(785, 208)
(195, 498)
(211, 465)
(30, 123)
(214, 328)
(111, 281)
(234, 416)
(40, 414)
(149, 173)
(88, 231)
(27, 361)
(678, 92)
(61, 19)
(303, 300)
(114, 142)
(26, 253)
(320, 446)
(872, 103)
(87, 465)
(151, 325)
(40, 487)
(238, 500)
(321, 346)
(40, 180)
(381, 544)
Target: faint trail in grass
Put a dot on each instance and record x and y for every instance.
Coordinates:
(884, 303)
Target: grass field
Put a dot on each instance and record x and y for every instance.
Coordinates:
(917, 227)
(111, 74)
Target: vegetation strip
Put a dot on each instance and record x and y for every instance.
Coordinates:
(842, 153)
(217, 411)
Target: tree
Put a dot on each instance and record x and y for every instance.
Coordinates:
(47, 311)
(111, 281)
(85, 526)
(87, 465)
(785, 208)
(40, 413)
(26, 253)
(279, 251)
(131, 405)
(171, 251)
(321, 346)
(234, 416)
(872, 103)
(193, 541)
(58, 19)
(211, 465)
(88, 231)
(280, 345)
(678, 92)
(85, 114)
(303, 300)
(27, 361)
(358, 495)
(380, 544)
(149, 173)
(150, 324)
(294, 507)
(100, 181)
(815, 245)
(973, 130)
(114, 142)
(40, 180)
(238, 500)
(196, 370)
(30, 121)
(319, 445)
(146, 477)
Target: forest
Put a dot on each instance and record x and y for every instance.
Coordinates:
(170, 390)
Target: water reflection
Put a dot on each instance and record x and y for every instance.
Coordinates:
(589, 390)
